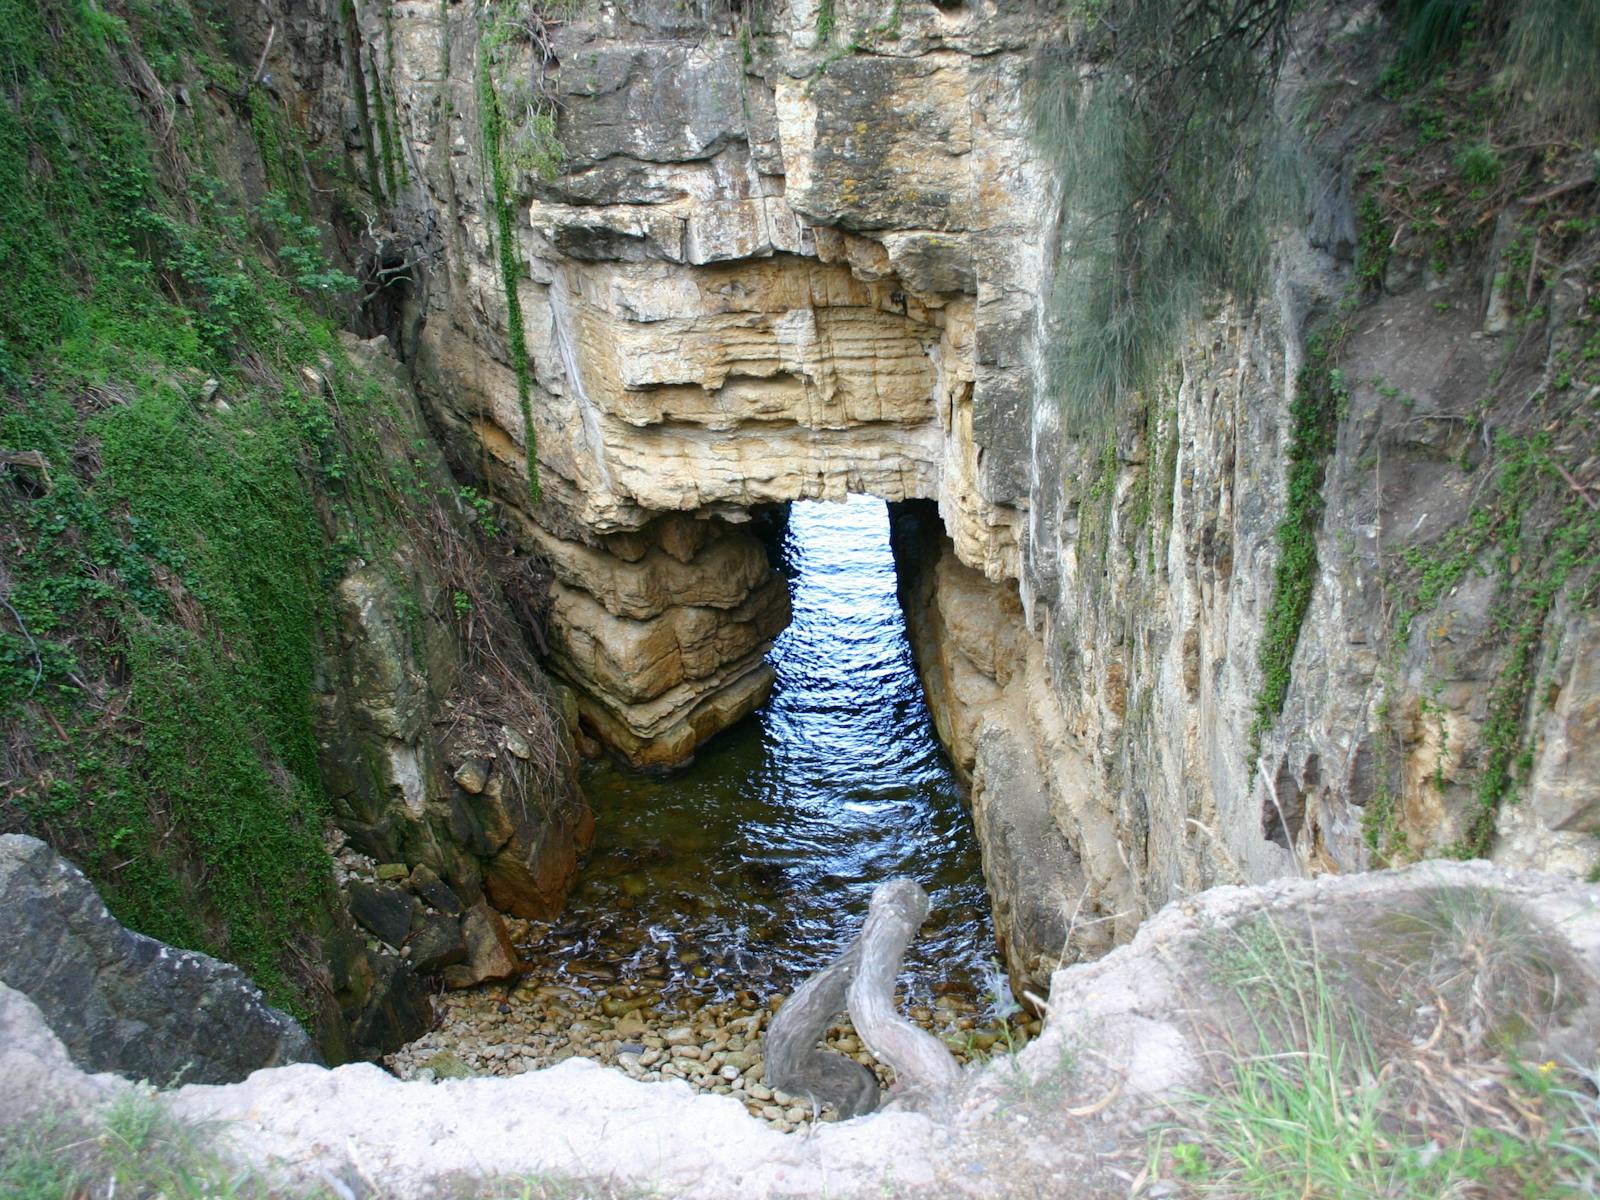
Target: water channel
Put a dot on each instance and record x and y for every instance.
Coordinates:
(752, 867)
(713, 891)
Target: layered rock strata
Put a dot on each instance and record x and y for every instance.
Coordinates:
(782, 261)
(663, 632)
(710, 330)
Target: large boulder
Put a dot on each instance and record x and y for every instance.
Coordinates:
(40, 1078)
(123, 1002)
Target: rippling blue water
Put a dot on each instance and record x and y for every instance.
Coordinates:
(753, 866)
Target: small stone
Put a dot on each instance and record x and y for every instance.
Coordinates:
(447, 1065)
(385, 911)
(796, 1113)
(650, 1058)
(515, 742)
(687, 1052)
(436, 942)
(760, 1091)
(617, 1006)
(436, 892)
(490, 954)
(393, 872)
(679, 1035)
(473, 774)
(729, 1074)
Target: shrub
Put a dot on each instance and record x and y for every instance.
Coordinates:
(1172, 170)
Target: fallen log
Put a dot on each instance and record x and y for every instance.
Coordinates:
(862, 981)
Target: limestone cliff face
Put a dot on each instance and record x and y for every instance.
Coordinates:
(754, 280)
(783, 259)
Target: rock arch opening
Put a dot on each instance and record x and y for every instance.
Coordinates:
(720, 884)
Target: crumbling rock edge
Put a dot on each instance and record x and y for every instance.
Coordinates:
(1126, 1014)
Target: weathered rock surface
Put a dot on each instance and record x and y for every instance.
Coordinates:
(817, 270)
(489, 952)
(435, 756)
(42, 1080)
(123, 1002)
(1120, 1045)
(709, 330)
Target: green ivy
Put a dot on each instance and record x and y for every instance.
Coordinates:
(166, 603)
(493, 130)
(1320, 399)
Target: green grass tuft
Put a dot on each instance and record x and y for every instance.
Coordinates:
(1319, 1097)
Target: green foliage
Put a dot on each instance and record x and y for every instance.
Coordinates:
(1434, 30)
(825, 19)
(1537, 538)
(164, 606)
(281, 156)
(1478, 163)
(547, 155)
(1321, 397)
(299, 248)
(536, 148)
(134, 1148)
(394, 169)
(1552, 52)
(1308, 1104)
(1172, 173)
(358, 85)
(1373, 242)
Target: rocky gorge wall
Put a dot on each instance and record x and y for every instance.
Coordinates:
(691, 261)
(272, 679)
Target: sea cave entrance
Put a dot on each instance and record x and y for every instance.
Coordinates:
(714, 888)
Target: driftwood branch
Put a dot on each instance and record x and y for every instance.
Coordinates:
(862, 980)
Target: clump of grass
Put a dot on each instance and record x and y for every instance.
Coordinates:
(1552, 51)
(1433, 30)
(1482, 957)
(135, 1148)
(1478, 163)
(1317, 1096)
